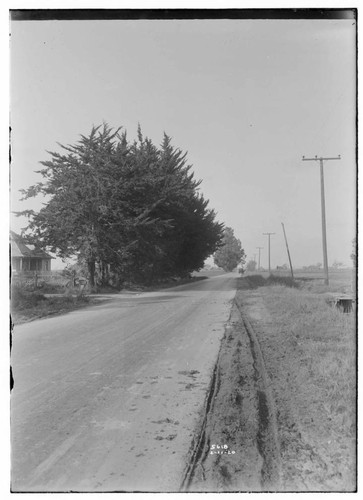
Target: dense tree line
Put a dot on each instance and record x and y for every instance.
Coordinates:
(130, 211)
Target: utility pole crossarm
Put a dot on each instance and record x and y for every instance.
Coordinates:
(318, 158)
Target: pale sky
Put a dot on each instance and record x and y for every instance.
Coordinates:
(245, 98)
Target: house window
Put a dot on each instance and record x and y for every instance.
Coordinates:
(16, 264)
(35, 264)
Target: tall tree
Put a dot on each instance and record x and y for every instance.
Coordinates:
(231, 253)
(251, 265)
(133, 208)
(80, 216)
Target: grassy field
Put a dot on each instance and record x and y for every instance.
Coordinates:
(340, 280)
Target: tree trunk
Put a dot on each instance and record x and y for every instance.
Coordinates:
(91, 270)
(105, 273)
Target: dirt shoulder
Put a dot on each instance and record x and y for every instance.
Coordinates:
(308, 349)
(228, 458)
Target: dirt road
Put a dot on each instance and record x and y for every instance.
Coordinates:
(107, 398)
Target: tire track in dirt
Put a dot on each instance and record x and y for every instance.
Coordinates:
(267, 438)
(239, 413)
(199, 445)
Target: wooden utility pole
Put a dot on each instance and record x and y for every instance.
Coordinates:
(323, 220)
(288, 252)
(269, 252)
(259, 256)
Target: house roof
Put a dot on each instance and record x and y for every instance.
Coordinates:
(19, 249)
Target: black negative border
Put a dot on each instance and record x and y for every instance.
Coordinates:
(168, 14)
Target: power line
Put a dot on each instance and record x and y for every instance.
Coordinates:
(323, 219)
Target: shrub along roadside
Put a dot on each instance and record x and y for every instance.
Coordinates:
(27, 306)
(256, 280)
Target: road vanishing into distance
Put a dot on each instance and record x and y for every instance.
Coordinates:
(108, 398)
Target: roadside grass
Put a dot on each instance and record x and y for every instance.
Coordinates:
(326, 345)
(309, 349)
(27, 306)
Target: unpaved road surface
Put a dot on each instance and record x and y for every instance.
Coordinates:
(107, 398)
